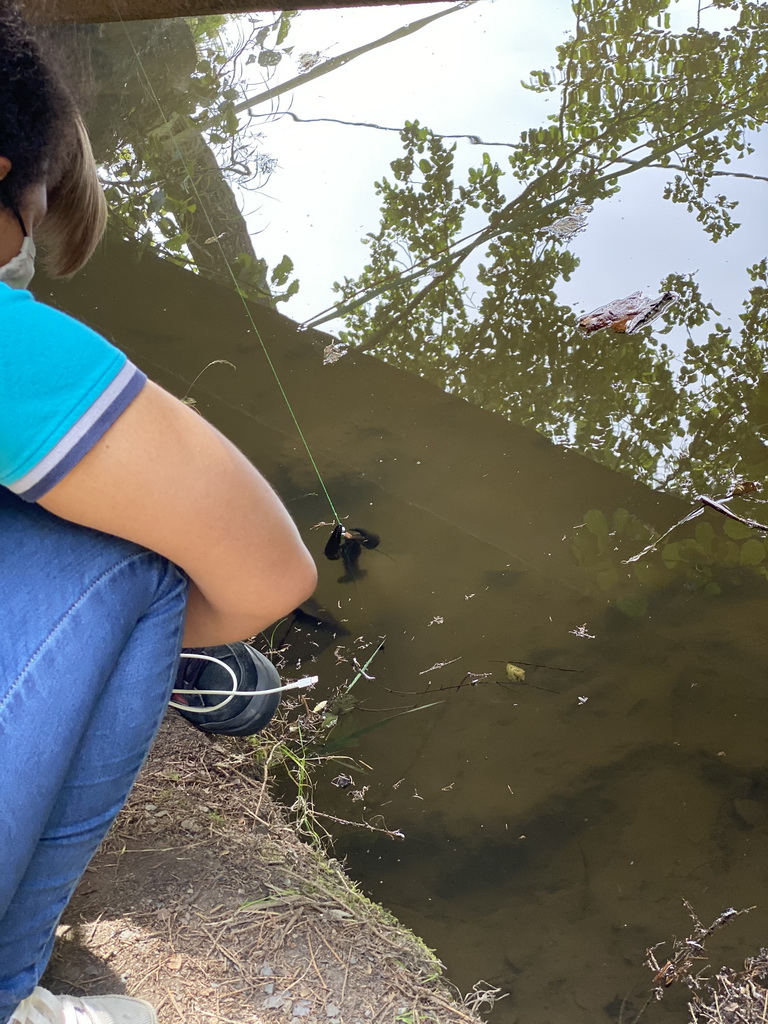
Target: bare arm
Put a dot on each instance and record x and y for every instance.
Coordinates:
(163, 477)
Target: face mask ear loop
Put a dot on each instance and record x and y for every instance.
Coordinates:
(18, 217)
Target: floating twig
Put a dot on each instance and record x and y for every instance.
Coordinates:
(705, 502)
(214, 362)
(654, 545)
(523, 682)
(468, 679)
(392, 833)
(718, 506)
(439, 664)
(363, 672)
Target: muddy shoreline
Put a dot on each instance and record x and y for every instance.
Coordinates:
(203, 900)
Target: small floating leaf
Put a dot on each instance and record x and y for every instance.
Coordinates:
(514, 673)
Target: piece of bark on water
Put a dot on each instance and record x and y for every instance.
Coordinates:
(627, 315)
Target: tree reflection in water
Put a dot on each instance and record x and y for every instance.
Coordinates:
(475, 309)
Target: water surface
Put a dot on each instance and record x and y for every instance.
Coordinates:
(509, 462)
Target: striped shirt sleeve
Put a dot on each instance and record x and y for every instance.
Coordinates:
(61, 387)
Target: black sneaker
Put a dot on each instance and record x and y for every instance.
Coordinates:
(216, 712)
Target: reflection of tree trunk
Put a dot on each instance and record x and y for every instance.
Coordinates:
(218, 235)
(109, 66)
(136, 10)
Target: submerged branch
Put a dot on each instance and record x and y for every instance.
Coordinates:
(390, 832)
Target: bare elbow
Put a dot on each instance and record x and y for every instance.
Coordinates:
(296, 586)
(210, 623)
(304, 582)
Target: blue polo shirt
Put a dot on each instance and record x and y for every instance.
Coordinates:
(61, 387)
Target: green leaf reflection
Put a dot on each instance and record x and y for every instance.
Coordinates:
(461, 279)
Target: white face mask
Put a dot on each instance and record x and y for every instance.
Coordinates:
(19, 271)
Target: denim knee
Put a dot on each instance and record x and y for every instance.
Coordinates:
(85, 676)
(48, 564)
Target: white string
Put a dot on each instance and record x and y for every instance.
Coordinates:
(297, 684)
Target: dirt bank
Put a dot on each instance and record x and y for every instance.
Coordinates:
(203, 901)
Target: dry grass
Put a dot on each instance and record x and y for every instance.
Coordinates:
(735, 997)
(205, 902)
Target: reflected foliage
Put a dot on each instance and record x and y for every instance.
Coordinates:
(165, 126)
(172, 119)
(462, 276)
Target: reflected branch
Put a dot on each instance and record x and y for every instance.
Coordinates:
(329, 65)
(475, 140)
(679, 167)
(505, 223)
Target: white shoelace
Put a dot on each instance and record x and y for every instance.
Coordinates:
(43, 1007)
(230, 695)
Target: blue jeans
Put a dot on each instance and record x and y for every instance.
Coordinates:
(90, 634)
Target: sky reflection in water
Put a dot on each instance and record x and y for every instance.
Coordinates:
(550, 838)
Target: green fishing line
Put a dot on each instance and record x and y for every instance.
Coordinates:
(193, 186)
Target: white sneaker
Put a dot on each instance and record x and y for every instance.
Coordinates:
(43, 1007)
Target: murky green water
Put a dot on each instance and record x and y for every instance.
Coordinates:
(509, 462)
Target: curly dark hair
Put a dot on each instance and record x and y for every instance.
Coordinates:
(36, 109)
(43, 136)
